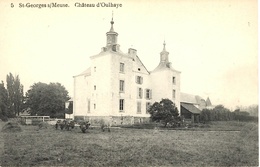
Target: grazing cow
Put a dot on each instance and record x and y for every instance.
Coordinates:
(84, 126)
(106, 123)
(67, 124)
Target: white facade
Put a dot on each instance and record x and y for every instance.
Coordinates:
(118, 85)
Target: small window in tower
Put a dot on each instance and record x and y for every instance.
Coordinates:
(94, 106)
(95, 87)
(122, 67)
(173, 80)
(173, 94)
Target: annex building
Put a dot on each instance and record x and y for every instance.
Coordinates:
(118, 86)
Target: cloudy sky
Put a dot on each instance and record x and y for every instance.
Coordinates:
(212, 42)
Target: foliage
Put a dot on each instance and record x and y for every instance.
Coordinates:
(220, 113)
(164, 111)
(47, 99)
(3, 102)
(252, 109)
(15, 95)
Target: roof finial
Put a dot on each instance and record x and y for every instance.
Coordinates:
(164, 45)
(112, 22)
(112, 14)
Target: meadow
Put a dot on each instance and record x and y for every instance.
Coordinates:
(221, 144)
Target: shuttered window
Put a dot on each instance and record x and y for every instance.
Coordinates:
(139, 79)
(148, 105)
(139, 108)
(139, 93)
(121, 85)
(121, 105)
(148, 93)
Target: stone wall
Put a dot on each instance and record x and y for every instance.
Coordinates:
(115, 120)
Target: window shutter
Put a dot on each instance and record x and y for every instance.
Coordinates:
(137, 93)
(150, 93)
(136, 79)
(141, 80)
(141, 93)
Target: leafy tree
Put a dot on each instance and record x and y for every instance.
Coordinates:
(15, 95)
(3, 102)
(164, 111)
(47, 99)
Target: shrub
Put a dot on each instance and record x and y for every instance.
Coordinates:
(11, 127)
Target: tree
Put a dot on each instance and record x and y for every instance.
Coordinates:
(15, 95)
(47, 99)
(164, 111)
(3, 102)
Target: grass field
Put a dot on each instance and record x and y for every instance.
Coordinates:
(238, 146)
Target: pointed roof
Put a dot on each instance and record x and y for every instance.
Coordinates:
(208, 102)
(164, 52)
(112, 22)
(164, 61)
(112, 31)
(188, 98)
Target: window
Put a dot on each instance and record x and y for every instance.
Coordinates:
(94, 106)
(139, 79)
(121, 85)
(173, 93)
(88, 105)
(173, 80)
(95, 69)
(138, 107)
(148, 105)
(121, 105)
(139, 69)
(139, 93)
(122, 67)
(148, 93)
(95, 87)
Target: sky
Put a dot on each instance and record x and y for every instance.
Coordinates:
(214, 43)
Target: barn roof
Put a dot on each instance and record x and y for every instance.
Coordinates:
(192, 99)
(188, 98)
(191, 108)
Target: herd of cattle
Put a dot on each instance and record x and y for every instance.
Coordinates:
(83, 125)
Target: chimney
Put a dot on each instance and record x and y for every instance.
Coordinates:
(132, 52)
